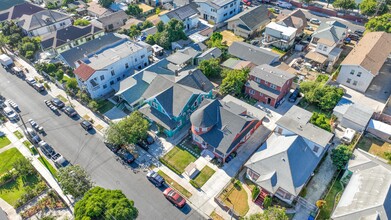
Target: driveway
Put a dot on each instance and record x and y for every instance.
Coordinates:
(380, 88)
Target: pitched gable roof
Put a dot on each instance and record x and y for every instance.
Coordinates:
(183, 12)
(368, 193)
(255, 17)
(84, 71)
(283, 161)
(62, 36)
(252, 53)
(271, 74)
(18, 11)
(371, 51)
(296, 19)
(113, 17)
(333, 31)
(41, 19)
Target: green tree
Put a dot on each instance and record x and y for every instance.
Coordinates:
(100, 203)
(211, 68)
(150, 40)
(59, 75)
(23, 167)
(160, 26)
(127, 131)
(93, 105)
(272, 213)
(146, 24)
(74, 180)
(340, 156)
(105, 3)
(216, 41)
(267, 202)
(81, 22)
(379, 23)
(66, 2)
(134, 31)
(157, 11)
(368, 7)
(134, 10)
(324, 96)
(71, 84)
(345, 4)
(168, 33)
(234, 81)
(321, 121)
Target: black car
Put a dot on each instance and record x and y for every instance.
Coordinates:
(359, 32)
(68, 110)
(150, 140)
(143, 144)
(39, 87)
(126, 156)
(57, 102)
(112, 147)
(354, 37)
(86, 125)
(294, 95)
(46, 149)
(155, 178)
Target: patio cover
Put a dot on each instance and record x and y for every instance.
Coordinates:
(316, 57)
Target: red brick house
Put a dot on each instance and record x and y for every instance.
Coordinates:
(269, 84)
(222, 127)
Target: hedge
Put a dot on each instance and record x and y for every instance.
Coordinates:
(255, 193)
(193, 183)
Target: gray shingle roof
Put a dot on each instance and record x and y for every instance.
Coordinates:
(368, 193)
(41, 19)
(61, 37)
(271, 74)
(358, 114)
(252, 53)
(227, 121)
(331, 30)
(113, 17)
(297, 119)
(18, 11)
(158, 117)
(183, 12)
(263, 89)
(77, 53)
(283, 161)
(179, 58)
(211, 53)
(255, 17)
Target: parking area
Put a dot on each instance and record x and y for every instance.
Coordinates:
(380, 88)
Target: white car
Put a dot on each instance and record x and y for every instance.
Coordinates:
(11, 115)
(283, 4)
(315, 21)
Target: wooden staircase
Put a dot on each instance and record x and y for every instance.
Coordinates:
(261, 197)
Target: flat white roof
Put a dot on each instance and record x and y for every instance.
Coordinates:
(288, 31)
(380, 126)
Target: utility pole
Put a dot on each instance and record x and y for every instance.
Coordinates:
(381, 2)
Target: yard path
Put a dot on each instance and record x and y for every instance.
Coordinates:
(6, 148)
(9, 210)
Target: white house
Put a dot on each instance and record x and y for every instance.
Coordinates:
(188, 14)
(218, 11)
(279, 35)
(283, 165)
(364, 62)
(44, 22)
(99, 72)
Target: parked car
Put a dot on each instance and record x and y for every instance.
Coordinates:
(39, 87)
(50, 105)
(283, 4)
(57, 102)
(348, 136)
(155, 178)
(11, 115)
(32, 135)
(294, 95)
(143, 144)
(126, 156)
(68, 110)
(347, 40)
(61, 162)
(174, 197)
(46, 149)
(86, 125)
(315, 21)
(55, 156)
(310, 28)
(113, 147)
(359, 32)
(31, 81)
(150, 140)
(13, 105)
(354, 37)
(33, 124)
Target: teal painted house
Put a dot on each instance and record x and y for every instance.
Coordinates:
(171, 99)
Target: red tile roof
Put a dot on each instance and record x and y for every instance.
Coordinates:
(84, 71)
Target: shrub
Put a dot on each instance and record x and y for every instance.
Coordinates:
(255, 193)
(321, 121)
(340, 156)
(93, 105)
(267, 202)
(320, 203)
(193, 183)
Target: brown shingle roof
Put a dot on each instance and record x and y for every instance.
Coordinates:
(296, 19)
(371, 52)
(84, 71)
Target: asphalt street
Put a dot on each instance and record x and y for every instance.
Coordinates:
(68, 138)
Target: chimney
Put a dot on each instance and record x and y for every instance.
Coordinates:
(176, 72)
(203, 86)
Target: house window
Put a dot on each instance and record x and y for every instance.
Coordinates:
(252, 92)
(325, 48)
(135, 59)
(351, 72)
(252, 174)
(111, 82)
(359, 74)
(126, 65)
(104, 86)
(231, 5)
(258, 80)
(142, 56)
(118, 79)
(266, 83)
(231, 12)
(112, 73)
(260, 94)
(354, 83)
(102, 77)
(348, 80)
(273, 86)
(195, 104)
(225, 7)
(225, 14)
(316, 149)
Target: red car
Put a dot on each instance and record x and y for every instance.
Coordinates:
(174, 197)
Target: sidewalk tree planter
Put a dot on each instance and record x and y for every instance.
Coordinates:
(174, 184)
(205, 174)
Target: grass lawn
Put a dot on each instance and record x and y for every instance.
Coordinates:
(48, 165)
(62, 98)
(104, 106)
(374, 146)
(327, 209)
(7, 158)
(235, 196)
(179, 158)
(18, 134)
(4, 141)
(174, 184)
(204, 176)
(13, 190)
(32, 149)
(216, 216)
(229, 37)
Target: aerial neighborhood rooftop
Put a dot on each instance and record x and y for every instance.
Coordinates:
(204, 109)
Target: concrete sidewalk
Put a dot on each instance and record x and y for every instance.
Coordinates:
(8, 129)
(9, 210)
(56, 92)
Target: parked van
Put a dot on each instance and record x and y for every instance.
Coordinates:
(348, 136)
